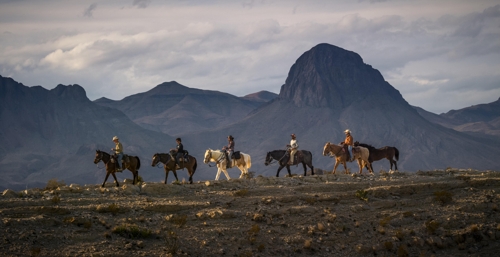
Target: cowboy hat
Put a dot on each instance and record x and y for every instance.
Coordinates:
(115, 138)
(347, 131)
(293, 135)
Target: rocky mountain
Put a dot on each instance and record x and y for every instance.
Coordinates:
(330, 89)
(261, 96)
(174, 109)
(47, 134)
(480, 120)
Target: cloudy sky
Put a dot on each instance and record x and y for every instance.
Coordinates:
(440, 55)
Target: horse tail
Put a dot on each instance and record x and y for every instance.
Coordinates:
(248, 161)
(195, 165)
(138, 162)
(397, 153)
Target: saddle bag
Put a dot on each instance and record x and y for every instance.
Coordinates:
(236, 155)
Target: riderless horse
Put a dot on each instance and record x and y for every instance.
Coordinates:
(388, 152)
(243, 163)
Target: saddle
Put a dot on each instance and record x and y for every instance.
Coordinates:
(297, 158)
(236, 155)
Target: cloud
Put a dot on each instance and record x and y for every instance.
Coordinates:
(88, 12)
(141, 3)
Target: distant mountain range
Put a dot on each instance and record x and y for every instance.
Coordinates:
(176, 109)
(48, 134)
(481, 120)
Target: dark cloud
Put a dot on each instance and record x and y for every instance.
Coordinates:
(141, 3)
(88, 12)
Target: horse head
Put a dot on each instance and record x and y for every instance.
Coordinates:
(156, 159)
(326, 148)
(208, 156)
(269, 158)
(98, 156)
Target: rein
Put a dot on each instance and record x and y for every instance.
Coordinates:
(217, 161)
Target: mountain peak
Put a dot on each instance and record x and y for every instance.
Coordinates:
(261, 96)
(330, 76)
(167, 88)
(72, 92)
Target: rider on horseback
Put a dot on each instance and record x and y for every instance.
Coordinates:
(119, 152)
(292, 148)
(349, 142)
(179, 149)
(229, 150)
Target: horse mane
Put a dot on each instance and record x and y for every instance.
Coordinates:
(370, 147)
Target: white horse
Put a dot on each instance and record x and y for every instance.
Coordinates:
(217, 156)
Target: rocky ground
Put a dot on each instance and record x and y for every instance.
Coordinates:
(432, 213)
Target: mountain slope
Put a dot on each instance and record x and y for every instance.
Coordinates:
(47, 134)
(328, 90)
(173, 108)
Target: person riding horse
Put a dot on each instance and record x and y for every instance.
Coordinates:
(179, 150)
(229, 150)
(118, 152)
(348, 142)
(292, 147)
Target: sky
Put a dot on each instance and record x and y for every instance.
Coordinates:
(440, 55)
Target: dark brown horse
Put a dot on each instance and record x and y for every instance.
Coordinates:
(388, 152)
(361, 154)
(133, 164)
(282, 156)
(169, 164)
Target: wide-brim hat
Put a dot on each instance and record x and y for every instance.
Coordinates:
(347, 131)
(115, 138)
(292, 135)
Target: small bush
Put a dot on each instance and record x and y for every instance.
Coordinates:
(179, 220)
(388, 245)
(443, 197)
(431, 226)
(241, 192)
(254, 230)
(383, 222)
(399, 234)
(139, 179)
(362, 195)
(112, 208)
(81, 222)
(56, 199)
(131, 231)
(54, 184)
(171, 242)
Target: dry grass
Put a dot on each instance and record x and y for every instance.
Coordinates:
(443, 197)
(54, 184)
(112, 208)
(241, 193)
(171, 242)
(131, 231)
(56, 199)
(362, 195)
(383, 222)
(431, 226)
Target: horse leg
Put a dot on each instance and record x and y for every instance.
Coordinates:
(166, 175)
(278, 171)
(288, 169)
(335, 166)
(218, 173)
(190, 172)
(225, 173)
(175, 174)
(345, 167)
(396, 165)
(360, 164)
(105, 179)
(116, 180)
(305, 168)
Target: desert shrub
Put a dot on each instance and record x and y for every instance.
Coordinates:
(139, 179)
(241, 192)
(388, 245)
(431, 226)
(310, 200)
(407, 214)
(443, 197)
(35, 251)
(179, 220)
(131, 231)
(399, 234)
(383, 222)
(171, 242)
(362, 195)
(474, 228)
(261, 247)
(54, 184)
(56, 199)
(402, 251)
(112, 208)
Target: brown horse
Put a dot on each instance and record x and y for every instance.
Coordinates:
(388, 152)
(133, 165)
(169, 164)
(361, 154)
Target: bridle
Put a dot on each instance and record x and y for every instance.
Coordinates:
(209, 157)
(331, 153)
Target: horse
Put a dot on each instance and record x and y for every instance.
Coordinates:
(282, 156)
(361, 154)
(168, 161)
(133, 165)
(244, 163)
(388, 152)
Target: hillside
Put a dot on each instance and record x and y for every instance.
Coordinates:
(431, 213)
(330, 89)
(176, 109)
(47, 134)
